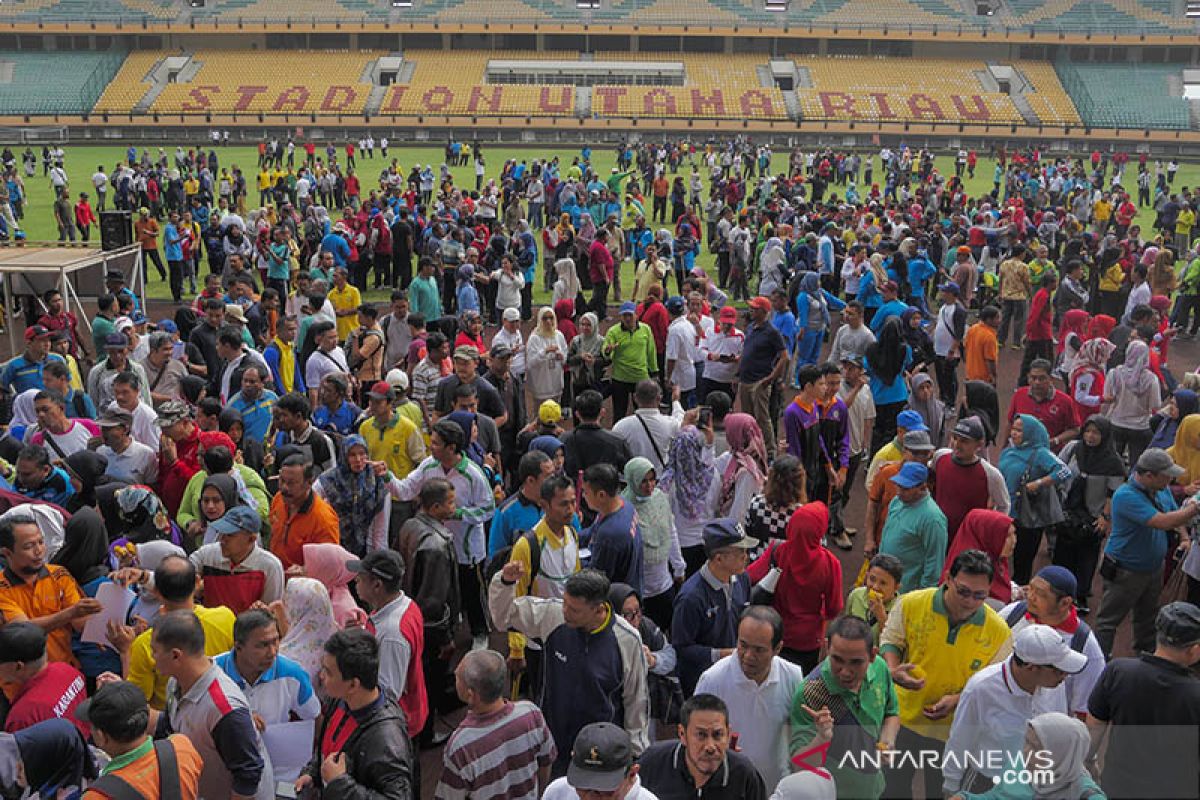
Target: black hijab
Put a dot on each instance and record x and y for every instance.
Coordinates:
(226, 485)
(89, 467)
(1102, 459)
(982, 401)
(85, 546)
(885, 357)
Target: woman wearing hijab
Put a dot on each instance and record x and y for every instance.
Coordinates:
(326, 562)
(924, 401)
(1076, 321)
(809, 591)
(143, 517)
(218, 494)
(1029, 466)
(585, 357)
(564, 314)
(869, 286)
(1096, 472)
(231, 424)
(307, 623)
(471, 332)
(772, 265)
(49, 758)
(743, 469)
(217, 452)
(84, 553)
(1067, 742)
(553, 447)
(360, 496)
(888, 360)
(567, 286)
(689, 482)
(1186, 450)
(545, 356)
(1100, 326)
(661, 556)
(1131, 396)
(666, 696)
(1166, 422)
(1086, 381)
(980, 399)
(812, 319)
(991, 532)
(912, 321)
(684, 252)
(86, 469)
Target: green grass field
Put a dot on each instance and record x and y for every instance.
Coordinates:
(81, 162)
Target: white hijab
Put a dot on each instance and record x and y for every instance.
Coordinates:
(806, 785)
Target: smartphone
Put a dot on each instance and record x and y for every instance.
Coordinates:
(178, 349)
(705, 417)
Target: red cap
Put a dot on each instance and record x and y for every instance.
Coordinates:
(36, 332)
(380, 390)
(760, 303)
(728, 314)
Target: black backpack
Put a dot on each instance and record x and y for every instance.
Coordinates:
(1078, 638)
(504, 555)
(118, 788)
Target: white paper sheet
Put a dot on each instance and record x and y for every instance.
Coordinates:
(116, 600)
(290, 746)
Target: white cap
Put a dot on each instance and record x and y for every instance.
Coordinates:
(398, 379)
(1044, 646)
(512, 315)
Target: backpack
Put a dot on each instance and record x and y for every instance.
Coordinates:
(169, 788)
(1078, 638)
(504, 555)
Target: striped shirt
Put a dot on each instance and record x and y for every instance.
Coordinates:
(497, 755)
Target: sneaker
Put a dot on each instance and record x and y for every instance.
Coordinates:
(1015, 346)
(851, 531)
(843, 541)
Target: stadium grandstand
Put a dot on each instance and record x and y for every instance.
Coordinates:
(779, 67)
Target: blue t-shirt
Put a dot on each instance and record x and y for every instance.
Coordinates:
(172, 249)
(785, 323)
(256, 415)
(340, 421)
(21, 374)
(897, 390)
(1134, 544)
(335, 243)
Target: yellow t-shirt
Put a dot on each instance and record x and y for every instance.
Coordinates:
(918, 630)
(399, 445)
(218, 638)
(343, 300)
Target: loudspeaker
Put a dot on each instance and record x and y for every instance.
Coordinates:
(116, 229)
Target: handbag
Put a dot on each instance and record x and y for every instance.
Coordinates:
(1040, 509)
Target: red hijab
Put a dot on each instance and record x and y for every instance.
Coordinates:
(986, 530)
(564, 311)
(1074, 321)
(1101, 326)
(803, 551)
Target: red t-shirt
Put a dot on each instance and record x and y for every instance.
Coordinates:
(1057, 412)
(957, 489)
(54, 692)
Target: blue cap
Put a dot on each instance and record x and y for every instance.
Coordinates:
(167, 326)
(722, 533)
(675, 304)
(910, 475)
(138, 318)
(628, 307)
(115, 341)
(951, 287)
(236, 520)
(852, 358)
(1060, 579)
(911, 421)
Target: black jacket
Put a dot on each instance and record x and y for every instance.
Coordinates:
(590, 444)
(378, 754)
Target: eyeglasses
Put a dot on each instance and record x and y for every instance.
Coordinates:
(967, 594)
(632, 614)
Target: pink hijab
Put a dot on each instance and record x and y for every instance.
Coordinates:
(748, 452)
(327, 563)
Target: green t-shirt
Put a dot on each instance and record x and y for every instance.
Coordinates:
(633, 353)
(102, 328)
(874, 702)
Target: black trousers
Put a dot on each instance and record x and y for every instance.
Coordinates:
(658, 608)
(1078, 551)
(599, 302)
(621, 393)
(693, 557)
(1038, 348)
(470, 583)
(946, 370)
(900, 779)
(1029, 541)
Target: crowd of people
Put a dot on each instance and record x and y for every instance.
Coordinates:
(281, 535)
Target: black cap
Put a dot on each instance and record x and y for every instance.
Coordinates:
(21, 641)
(383, 564)
(1178, 624)
(111, 706)
(600, 758)
(970, 428)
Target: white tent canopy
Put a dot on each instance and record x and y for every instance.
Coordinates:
(36, 267)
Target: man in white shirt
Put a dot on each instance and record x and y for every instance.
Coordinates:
(100, 183)
(510, 336)
(997, 703)
(602, 765)
(128, 460)
(721, 351)
(126, 389)
(758, 686)
(326, 359)
(648, 432)
(855, 391)
(683, 350)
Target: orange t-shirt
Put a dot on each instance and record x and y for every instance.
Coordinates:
(980, 346)
(53, 591)
(881, 492)
(314, 523)
(142, 773)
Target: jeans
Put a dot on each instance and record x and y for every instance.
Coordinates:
(1187, 309)
(1011, 312)
(1129, 591)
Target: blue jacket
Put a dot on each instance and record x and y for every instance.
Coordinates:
(616, 544)
(892, 308)
(271, 356)
(703, 621)
(515, 514)
(336, 244)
